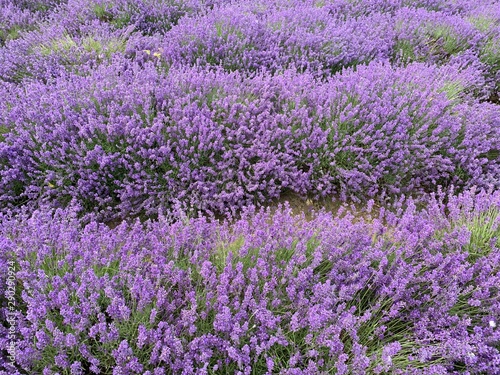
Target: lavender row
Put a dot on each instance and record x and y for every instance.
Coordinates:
(247, 36)
(256, 36)
(322, 41)
(77, 35)
(415, 293)
(128, 140)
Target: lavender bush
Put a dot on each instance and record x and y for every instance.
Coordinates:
(14, 20)
(487, 20)
(54, 52)
(267, 294)
(19, 16)
(256, 36)
(424, 35)
(217, 141)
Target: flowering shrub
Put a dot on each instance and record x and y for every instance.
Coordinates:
(487, 20)
(254, 37)
(20, 16)
(147, 16)
(423, 35)
(13, 21)
(127, 140)
(53, 52)
(414, 292)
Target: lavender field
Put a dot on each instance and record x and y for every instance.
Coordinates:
(148, 151)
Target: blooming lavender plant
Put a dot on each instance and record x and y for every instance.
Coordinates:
(14, 20)
(256, 36)
(148, 16)
(267, 294)
(52, 52)
(221, 140)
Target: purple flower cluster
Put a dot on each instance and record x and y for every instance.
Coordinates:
(54, 51)
(406, 293)
(14, 20)
(127, 139)
(256, 36)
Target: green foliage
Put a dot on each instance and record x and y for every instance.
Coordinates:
(220, 257)
(110, 47)
(404, 51)
(442, 38)
(60, 46)
(121, 21)
(484, 229)
(12, 33)
(101, 12)
(68, 48)
(482, 23)
(490, 53)
(319, 3)
(3, 130)
(453, 90)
